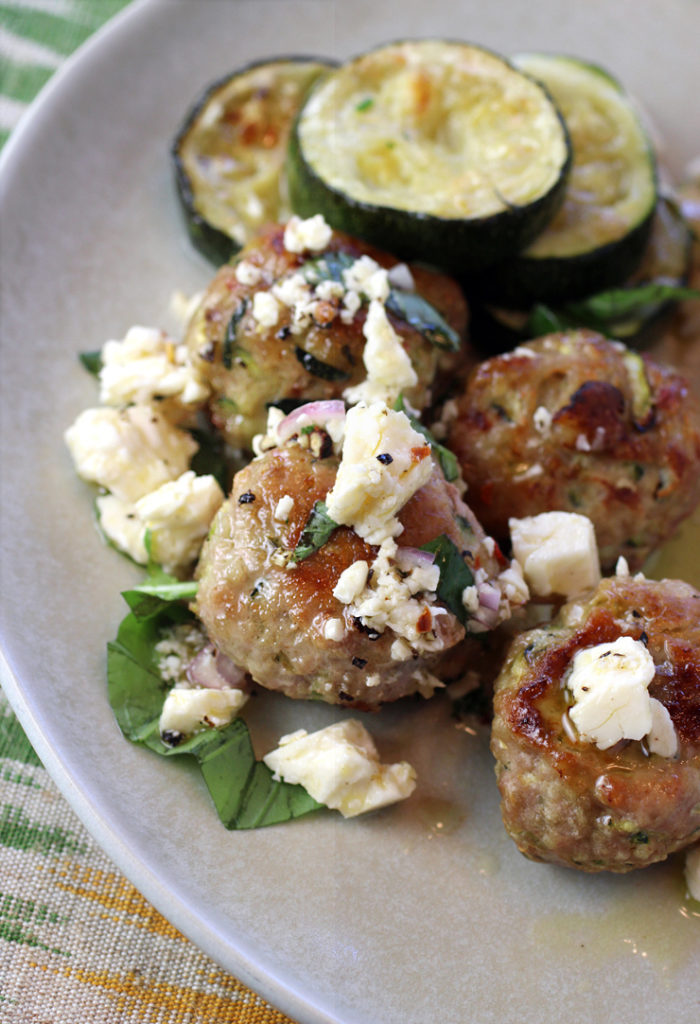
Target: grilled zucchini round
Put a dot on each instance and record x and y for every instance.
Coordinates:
(229, 154)
(439, 151)
(598, 236)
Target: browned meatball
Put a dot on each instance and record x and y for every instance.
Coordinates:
(250, 366)
(563, 799)
(272, 619)
(577, 423)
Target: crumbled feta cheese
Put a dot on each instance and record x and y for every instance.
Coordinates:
(351, 582)
(120, 524)
(609, 684)
(311, 235)
(187, 711)
(384, 462)
(283, 508)
(131, 451)
(542, 420)
(339, 766)
(248, 273)
(557, 552)
(388, 365)
(334, 629)
(270, 439)
(176, 649)
(178, 516)
(399, 596)
(401, 650)
(692, 872)
(148, 365)
(351, 303)
(183, 306)
(662, 738)
(266, 309)
(400, 277)
(367, 278)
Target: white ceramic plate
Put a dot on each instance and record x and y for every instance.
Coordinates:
(418, 914)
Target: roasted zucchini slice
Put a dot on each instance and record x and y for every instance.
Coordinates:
(598, 236)
(437, 151)
(634, 311)
(229, 154)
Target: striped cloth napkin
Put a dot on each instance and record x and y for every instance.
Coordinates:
(78, 943)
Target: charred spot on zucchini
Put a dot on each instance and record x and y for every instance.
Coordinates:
(231, 334)
(598, 236)
(229, 154)
(459, 160)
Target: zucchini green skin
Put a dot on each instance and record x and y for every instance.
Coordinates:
(210, 238)
(456, 245)
(667, 259)
(545, 273)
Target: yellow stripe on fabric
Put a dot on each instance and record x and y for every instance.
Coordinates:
(114, 893)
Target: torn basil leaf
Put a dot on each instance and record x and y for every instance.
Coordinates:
(243, 790)
(318, 529)
(455, 574)
(447, 459)
(424, 318)
(317, 368)
(408, 306)
(92, 361)
(230, 337)
(607, 310)
(328, 267)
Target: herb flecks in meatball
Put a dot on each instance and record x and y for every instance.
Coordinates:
(593, 787)
(576, 423)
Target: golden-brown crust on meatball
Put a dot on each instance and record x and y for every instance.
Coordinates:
(574, 422)
(269, 618)
(564, 800)
(263, 366)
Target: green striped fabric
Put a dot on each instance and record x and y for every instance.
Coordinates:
(77, 942)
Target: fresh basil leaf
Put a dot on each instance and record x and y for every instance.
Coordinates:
(230, 337)
(621, 303)
(92, 361)
(243, 790)
(424, 318)
(543, 320)
(447, 459)
(455, 574)
(317, 368)
(318, 529)
(328, 267)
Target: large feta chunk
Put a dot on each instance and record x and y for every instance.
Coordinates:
(557, 552)
(389, 368)
(609, 684)
(339, 766)
(662, 738)
(310, 235)
(175, 517)
(146, 366)
(131, 451)
(187, 711)
(384, 462)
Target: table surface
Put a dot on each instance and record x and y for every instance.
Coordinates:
(77, 941)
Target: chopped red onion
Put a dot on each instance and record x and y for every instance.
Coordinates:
(215, 671)
(317, 413)
(411, 558)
